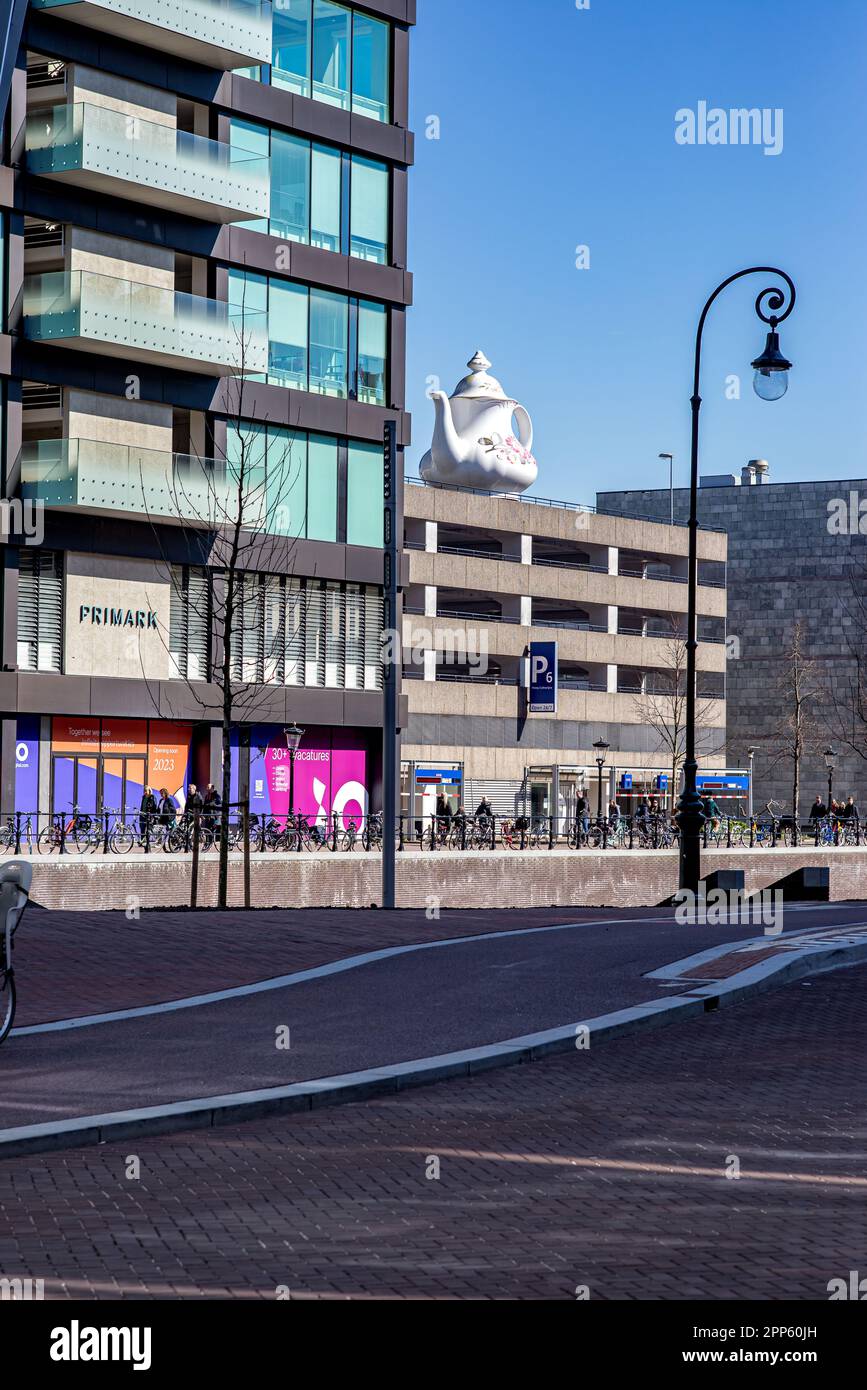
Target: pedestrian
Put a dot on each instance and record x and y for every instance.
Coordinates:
(818, 810)
(167, 808)
(485, 811)
(211, 804)
(146, 812)
(582, 813)
(712, 812)
(850, 810)
(194, 800)
(613, 816)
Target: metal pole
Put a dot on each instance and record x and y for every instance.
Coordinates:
(752, 758)
(391, 673)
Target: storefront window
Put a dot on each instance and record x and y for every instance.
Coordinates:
(370, 67)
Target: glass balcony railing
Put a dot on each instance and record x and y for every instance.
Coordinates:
(108, 150)
(219, 33)
(100, 476)
(98, 313)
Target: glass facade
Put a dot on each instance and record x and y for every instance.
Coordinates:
(318, 341)
(333, 54)
(316, 487)
(319, 195)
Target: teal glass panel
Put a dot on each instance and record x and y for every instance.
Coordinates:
(287, 334)
(290, 67)
(329, 328)
(246, 449)
(246, 138)
(369, 210)
(290, 187)
(325, 201)
(331, 24)
(372, 352)
(322, 488)
(364, 500)
(287, 482)
(370, 67)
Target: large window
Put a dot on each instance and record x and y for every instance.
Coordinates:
(333, 54)
(320, 195)
(313, 632)
(317, 487)
(40, 610)
(319, 341)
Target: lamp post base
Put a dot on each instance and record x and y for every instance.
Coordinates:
(690, 821)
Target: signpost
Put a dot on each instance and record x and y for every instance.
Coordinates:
(543, 678)
(392, 662)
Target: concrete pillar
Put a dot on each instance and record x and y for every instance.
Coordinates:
(526, 611)
(611, 680)
(8, 744)
(613, 559)
(526, 550)
(430, 600)
(430, 666)
(431, 536)
(612, 617)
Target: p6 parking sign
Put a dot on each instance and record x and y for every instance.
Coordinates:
(543, 678)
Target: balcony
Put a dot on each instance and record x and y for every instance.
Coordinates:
(221, 34)
(144, 323)
(111, 152)
(102, 477)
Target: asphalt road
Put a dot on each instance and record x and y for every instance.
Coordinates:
(417, 1004)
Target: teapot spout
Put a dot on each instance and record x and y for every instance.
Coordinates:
(448, 450)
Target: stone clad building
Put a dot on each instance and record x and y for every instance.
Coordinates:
(783, 559)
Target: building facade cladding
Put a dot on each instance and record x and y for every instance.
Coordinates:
(157, 168)
(487, 576)
(787, 559)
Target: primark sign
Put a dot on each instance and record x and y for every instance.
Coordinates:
(117, 617)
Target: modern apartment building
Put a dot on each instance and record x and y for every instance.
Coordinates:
(489, 574)
(203, 207)
(795, 548)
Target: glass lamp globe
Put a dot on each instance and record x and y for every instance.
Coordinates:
(770, 385)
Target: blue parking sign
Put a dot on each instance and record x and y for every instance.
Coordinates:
(543, 678)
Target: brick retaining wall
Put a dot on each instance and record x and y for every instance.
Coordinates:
(616, 878)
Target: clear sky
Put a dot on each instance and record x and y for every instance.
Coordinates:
(557, 129)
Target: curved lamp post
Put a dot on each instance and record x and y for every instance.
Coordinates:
(771, 380)
(601, 749)
(830, 756)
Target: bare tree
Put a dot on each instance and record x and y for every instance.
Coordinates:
(238, 519)
(661, 706)
(799, 730)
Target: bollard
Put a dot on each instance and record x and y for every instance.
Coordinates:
(463, 832)
(17, 832)
(550, 832)
(400, 834)
(729, 832)
(245, 831)
(630, 832)
(333, 833)
(62, 833)
(433, 833)
(493, 831)
(194, 867)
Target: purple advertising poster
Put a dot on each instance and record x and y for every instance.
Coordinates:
(27, 763)
(349, 796)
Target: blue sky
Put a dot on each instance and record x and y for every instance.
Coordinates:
(557, 130)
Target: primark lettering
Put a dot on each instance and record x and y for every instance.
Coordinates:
(117, 617)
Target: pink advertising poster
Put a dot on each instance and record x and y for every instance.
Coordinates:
(331, 769)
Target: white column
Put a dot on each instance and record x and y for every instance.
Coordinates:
(526, 613)
(612, 617)
(430, 666)
(613, 559)
(430, 536)
(612, 680)
(526, 550)
(430, 600)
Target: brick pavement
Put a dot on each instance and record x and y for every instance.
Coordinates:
(604, 1169)
(73, 963)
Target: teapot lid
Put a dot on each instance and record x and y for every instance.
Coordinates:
(479, 385)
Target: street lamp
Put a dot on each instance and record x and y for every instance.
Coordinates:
(601, 749)
(830, 758)
(770, 383)
(670, 458)
(293, 736)
(751, 753)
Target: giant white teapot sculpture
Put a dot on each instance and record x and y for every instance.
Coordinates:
(474, 444)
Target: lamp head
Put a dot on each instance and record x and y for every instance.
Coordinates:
(771, 381)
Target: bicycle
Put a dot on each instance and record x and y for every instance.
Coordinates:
(15, 881)
(75, 836)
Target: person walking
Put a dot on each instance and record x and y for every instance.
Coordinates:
(211, 805)
(850, 810)
(582, 813)
(818, 810)
(167, 808)
(147, 813)
(194, 800)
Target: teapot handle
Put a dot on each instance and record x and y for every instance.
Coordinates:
(525, 427)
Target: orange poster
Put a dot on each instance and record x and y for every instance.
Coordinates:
(169, 756)
(74, 735)
(125, 736)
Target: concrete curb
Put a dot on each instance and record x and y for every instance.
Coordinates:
(210, 1111)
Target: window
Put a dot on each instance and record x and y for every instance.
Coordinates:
(325, 204)
(329, 333)
(322, 488)
(372, 337)
(287, 334)
(332, 54)
(40, 610)
(290, 187)
(319, 195)
(370, 67)
(325, 634)
(369, 210)
(364, 494)
(291, 46)
(331, 26)
(190, 623)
